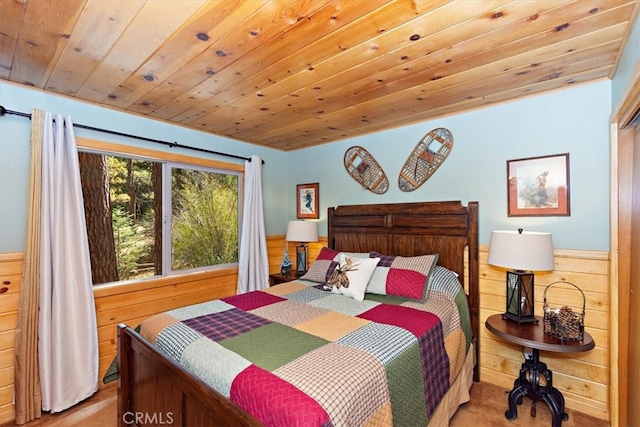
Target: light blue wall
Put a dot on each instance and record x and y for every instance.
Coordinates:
(574, 121)
(14, 153)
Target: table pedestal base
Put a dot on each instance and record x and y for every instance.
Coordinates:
(528, 384)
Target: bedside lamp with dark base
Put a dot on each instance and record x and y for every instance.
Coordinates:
(302, 232)
(522, 253)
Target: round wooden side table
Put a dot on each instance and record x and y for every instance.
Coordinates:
(531, 335)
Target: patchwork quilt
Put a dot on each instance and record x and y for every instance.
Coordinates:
(294, 354)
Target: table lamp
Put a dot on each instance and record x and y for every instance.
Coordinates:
(521, 252)
(302, 232)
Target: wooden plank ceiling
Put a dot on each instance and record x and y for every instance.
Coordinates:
(290, 74)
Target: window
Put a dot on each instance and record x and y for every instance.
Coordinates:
(204, 218)
(148, 217)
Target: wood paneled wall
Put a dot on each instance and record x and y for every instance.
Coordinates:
(11, 279)
(582, 378)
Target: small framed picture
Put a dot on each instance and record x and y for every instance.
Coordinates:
(539, 186)
(307, 201)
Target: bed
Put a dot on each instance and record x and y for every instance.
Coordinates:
(319, 334)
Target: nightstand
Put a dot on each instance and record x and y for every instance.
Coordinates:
(277, 278)
(531, 336)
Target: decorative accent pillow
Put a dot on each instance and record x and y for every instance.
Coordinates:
(358, 276)
(327, 261)
(405, 277)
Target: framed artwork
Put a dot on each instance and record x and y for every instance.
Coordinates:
(307, 201)
(539, 186)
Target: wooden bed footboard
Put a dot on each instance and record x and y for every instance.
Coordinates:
(154, 390)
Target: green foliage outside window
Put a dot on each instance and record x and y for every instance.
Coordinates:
(204, 219)
(133, 242)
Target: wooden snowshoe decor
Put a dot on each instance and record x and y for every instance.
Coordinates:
(364, 168)
(426, 157)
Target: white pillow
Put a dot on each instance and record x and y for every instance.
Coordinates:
(358, 277)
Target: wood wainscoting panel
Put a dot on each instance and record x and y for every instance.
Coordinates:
(11, 282)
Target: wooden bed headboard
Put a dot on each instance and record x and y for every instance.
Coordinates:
(448, 229)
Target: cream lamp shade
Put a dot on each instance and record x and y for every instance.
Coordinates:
(525, 251)
(302, 231)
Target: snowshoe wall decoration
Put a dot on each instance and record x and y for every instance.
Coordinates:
(364, 168)
(426, 157)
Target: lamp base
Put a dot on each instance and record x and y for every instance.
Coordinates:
(301, 259)
(520, 300)
(514, 318)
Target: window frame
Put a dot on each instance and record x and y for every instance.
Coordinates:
(169, 160)
(167, 217)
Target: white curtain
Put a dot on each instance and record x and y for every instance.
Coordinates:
(68, 336)
(253, 271)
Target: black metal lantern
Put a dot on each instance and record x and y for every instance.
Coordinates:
(520, 299)
(523, 252)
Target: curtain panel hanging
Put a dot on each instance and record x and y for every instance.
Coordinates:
(28, 398)
(68, 336)
(253, 269)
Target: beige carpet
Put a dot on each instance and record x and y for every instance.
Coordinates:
(489, 403)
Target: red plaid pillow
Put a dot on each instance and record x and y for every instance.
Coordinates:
(405, 277)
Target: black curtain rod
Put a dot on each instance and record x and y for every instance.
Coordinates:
(4, 111)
